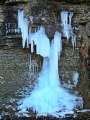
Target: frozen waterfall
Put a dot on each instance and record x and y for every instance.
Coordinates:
(48, 97)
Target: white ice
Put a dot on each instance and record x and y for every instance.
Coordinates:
(23, 25)
(48, 97)
(67, 29)
(31, 19)
(41, 41)
(75, 78)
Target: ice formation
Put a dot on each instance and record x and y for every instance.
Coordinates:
(31, 19)
(23, 25)
(67, 28)
(48, 97)
(75, 78)
(41, 41)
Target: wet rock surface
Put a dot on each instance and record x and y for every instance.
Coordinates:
(74, 1)
(15, 78)
(12, 74)
(81, 116)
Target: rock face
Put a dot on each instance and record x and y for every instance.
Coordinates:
(72, 1)
(47, 13)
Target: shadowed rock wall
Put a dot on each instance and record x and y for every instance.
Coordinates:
(47, 13)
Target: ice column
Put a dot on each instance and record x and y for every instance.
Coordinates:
(66, 26)
(56, 49)
(23, 25)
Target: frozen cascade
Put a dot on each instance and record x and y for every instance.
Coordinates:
(48, 97)
(67, 28)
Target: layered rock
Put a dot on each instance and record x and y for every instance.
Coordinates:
(47, 13)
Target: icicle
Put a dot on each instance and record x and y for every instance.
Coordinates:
(32, 46)
(29, 36)
(67, 28)
(6, 26)
(23, 25)
(64, 23)
(64, 18)
(70, 17)
(59, 43)
(73, 40)
(31, 19)
(9, 25)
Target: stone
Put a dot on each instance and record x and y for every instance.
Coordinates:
(71, 1)
(15, 1)
(2, 1)
(88, 29)
(46, 12)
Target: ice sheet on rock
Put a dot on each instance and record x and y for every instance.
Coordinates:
(75, 78)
